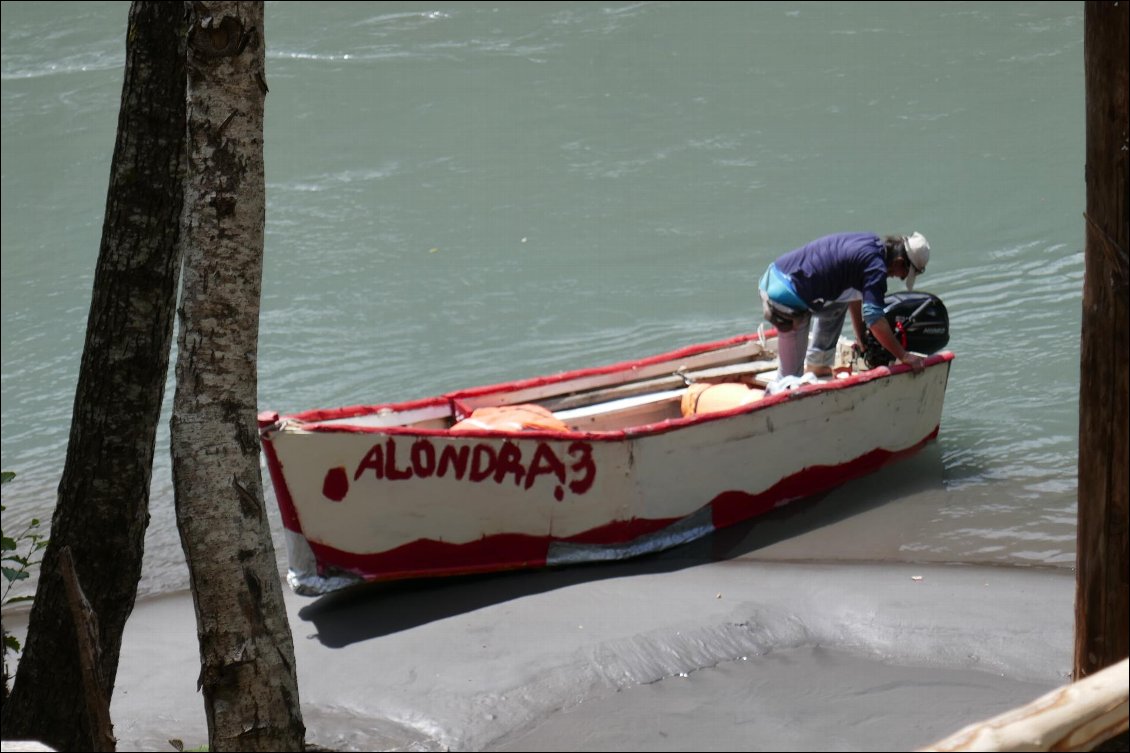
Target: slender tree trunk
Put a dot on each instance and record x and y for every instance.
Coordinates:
(103, 504)
(246, 650)
(1102, 593)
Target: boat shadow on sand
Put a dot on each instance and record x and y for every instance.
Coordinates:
(373, 610)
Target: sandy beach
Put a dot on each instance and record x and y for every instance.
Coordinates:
(723, 656)
(741, 641)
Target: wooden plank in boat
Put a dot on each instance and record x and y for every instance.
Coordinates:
(624, 403)
(666, 382)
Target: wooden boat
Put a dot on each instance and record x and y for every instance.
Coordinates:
(595, 464)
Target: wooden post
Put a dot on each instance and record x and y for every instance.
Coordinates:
(1078, 716)
(1101, 597)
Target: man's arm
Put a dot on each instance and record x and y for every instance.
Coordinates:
(882, 331)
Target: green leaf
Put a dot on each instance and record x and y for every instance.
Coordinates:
(7, 544)
(11, 575)
(7, 476)
(11, 643)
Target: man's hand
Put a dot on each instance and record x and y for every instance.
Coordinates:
(916, 362)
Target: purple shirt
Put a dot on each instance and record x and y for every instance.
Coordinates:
(827, 268)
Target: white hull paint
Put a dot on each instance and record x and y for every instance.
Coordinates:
(384, 492)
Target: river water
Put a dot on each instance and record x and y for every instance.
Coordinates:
(467, 193)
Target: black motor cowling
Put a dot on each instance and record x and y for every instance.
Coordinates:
(920, 323)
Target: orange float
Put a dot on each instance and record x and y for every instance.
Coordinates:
(523, 417)
(711, 398)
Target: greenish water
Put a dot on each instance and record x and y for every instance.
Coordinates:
(463, 193)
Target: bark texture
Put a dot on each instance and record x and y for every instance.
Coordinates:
(1101, 600)
(247, 655)
(102, 509)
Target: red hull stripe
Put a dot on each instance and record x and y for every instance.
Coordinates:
(733, 507)
(429, 558)
(506, 551)
(282, 492)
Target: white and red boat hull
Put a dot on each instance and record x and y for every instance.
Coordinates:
(387, 492)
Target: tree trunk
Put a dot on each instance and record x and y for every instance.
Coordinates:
(1101, 593)
(102, 509)
(246, 650)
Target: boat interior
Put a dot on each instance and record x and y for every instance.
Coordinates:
(711, 381)
(661, 399)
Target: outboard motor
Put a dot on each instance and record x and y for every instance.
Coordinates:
(918, 319)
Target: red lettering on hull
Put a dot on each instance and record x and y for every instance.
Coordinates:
(477, 463)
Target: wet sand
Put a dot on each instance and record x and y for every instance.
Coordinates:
(733, 655)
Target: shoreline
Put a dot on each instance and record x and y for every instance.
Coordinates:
(662, 652)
